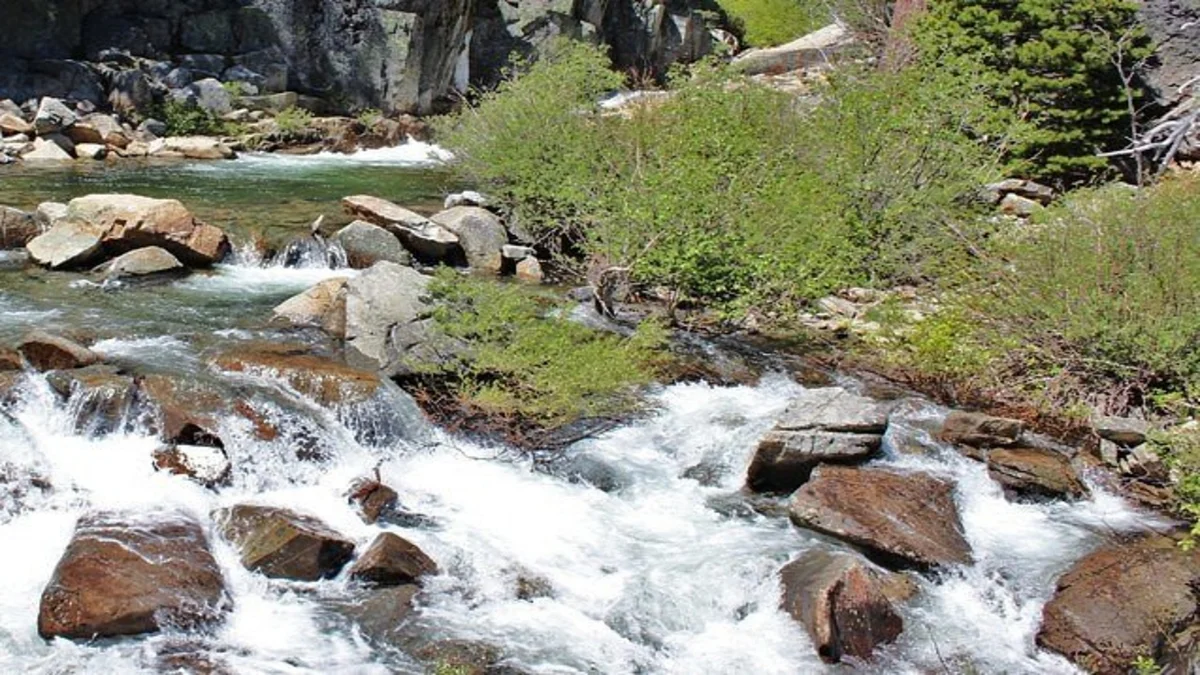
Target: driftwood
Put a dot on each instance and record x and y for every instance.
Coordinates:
(1162, 142)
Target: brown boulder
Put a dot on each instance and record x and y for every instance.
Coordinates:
(185, 411)
(124, 575)
(391, 560)
(905, 519)
(979, 430)
(127, 222)
(328, 382)
(373, 499)
(1035, 472)
(47, 352)
(1124, 601)
(322, 306)
(103, 396)
(841, 602)
(17, 228)
(284, 544)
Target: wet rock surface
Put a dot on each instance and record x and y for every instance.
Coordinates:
(1036, 473)
(46, 352)
(283, 544)
(979, 430)
(392, 560)
(124, 575)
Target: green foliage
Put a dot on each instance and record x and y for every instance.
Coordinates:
(183, 119)
(1145, 665)
(235, 88)
(1107, 284)
(527, 360)
(1052, 62)
(292, 120)
(946, 345)
(1180, 449)
(369, 117)
(766, 23)
(727, 192)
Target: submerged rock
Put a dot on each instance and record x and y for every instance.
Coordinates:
(842, 603)
(905, 519)
(46, 352)
(392, 560)
(1035, 472)
(325, 381)
(373, 499)
(283, 544)
(101, 396)
(1124, 601)
(128, 574)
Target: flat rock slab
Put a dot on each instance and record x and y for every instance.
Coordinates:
(980, 431)
(902, 519)
(785, 459)
(1121, 602)
(1035, 472)
(424, 238)
(46, 352)
(125, 574)
(835, 409)
(66, 245)
(152, 261)
(327, 382)
(283, 544)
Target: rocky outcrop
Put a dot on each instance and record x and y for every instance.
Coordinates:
(827, 425)
(1036, 473)
(842, 603)
(124, 574)
(283, 544)
(1174, 27)
(904, 519)
(816, 49)
(392, 560)
(1122, 602)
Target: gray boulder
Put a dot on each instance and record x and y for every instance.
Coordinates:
(366, 244)
(47, 150)
(424, 238)
(815, 49)
(66, 245)
(52, 115)
(207, 94)
(130, 91)
(480, 233)
(387, 325)
(151, 261)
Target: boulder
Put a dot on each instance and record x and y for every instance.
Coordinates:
(13, 124)
(109, 130)
(68, 244)
(373, 499)
(905, 519)
(1122, 602)
(184, 411)
(465, 198)
(52, 116)
(386, 319)
(90, 151)
(1125, 431)
(206, 465)
(822, 425)
(130, 91)
(325, 381)
(322, 306)
(151, 261)
(424, 238)
(284, 544)
(17, 228)
(391, 560)
(516, 253)
(480, 233)
(529, 270)
(979, 430)
(366, 244)
(49, 214)
(1027, 189)
(814, 49)
(85, 132)
(125, 574)
(198, 147)
(841, 602)
(46, 150)
(380, 611)
(1035, 472)
(101, 396)
(46, 352)
(126, 222)
(1016, 205)
(207, 94)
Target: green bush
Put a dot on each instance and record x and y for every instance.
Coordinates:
(527, 360)
(1180, 449)
(293, 120)
(184, 119)
(730, 193)
(1052, 62)
(766, 23)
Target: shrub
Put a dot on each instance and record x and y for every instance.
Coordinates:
(766, 23)
(1180, 449)
(293, 120)
(526, 359)
(1051, 61)
(369, 117)
(184, 119)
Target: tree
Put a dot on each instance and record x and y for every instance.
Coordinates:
(1052, 62)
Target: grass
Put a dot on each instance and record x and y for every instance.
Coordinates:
(766, 23)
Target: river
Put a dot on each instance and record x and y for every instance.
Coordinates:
(654, 573)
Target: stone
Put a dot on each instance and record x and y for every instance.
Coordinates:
(126, 574)
(841, 602)
(784, 460)
(17, 228)
(835, 409)
(52, 116)
(366, 244)
(1143, 463)
(110, 131)
(465, 198)
(90, 151)
(45, 352)
(516, 253)
(66, 245)
(151, 261)
(283, 544)
(206, 465)
(1120, 602)
(100, 397)
(322, 306)
(13, 124)
(185, 411)
(529, 271)
(391, 560)
(424, 238)
(46, 150)
(480, 233)
(814, 49)
(153, 127)
(1035, 472)
(1125, 431)
(979, 430)
(207, 94)
(127, 222)
(130, 91)
(199, 147)
(373, 499)
(327, 382)
(380, 611)
(1016, 205)
(904, 519)
(386, 308)
(1026, 189)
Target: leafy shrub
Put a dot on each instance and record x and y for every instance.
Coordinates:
(235, 88)
(184, 119)
(1051, 61)
(527, 360)
(728, 192)
(1180, 449)
(369, 117)
(766, 23)
(292, 120)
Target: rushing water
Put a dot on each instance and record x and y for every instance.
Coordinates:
(653, 574)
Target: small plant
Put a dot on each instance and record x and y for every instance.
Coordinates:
(185, 119)
(235, 88)
(369, 117)
(1144, 665)
(293, 120)
(1180, 449)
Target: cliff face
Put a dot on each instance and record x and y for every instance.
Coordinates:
(396, 55)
